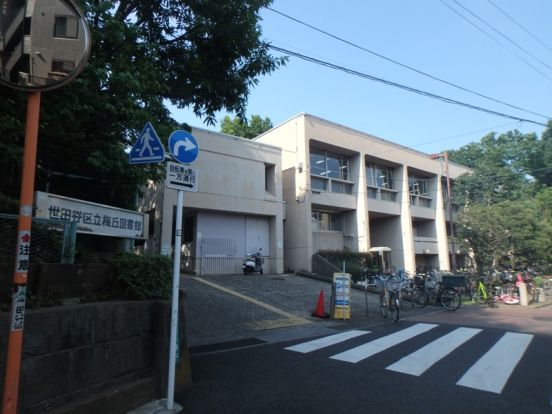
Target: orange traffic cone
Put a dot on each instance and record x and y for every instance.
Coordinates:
(319, 311)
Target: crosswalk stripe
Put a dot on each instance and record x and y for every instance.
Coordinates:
(381, 344)
(421, 360)
(493, 369)
(326, 341)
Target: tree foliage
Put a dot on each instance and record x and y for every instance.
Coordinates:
(203, 54)
(507, 215)
(242, 128)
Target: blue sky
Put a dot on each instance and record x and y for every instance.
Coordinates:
(423, 34)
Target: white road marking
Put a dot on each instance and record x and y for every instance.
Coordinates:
(296, 319)
(326, 341)
(424, 358)
(493, 369)
(364, 351)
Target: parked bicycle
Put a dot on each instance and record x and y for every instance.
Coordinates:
(390, 289)
(483, 292)
(433, 290)
(490, 293)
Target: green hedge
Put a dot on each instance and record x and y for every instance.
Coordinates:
(354, 261)
(141, 277)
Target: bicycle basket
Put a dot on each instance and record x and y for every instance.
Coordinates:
(380, 285)
(393, 284)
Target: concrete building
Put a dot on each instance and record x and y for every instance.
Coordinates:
(346, 189)
(237, 209)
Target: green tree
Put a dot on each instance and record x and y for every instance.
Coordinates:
(513, 233)
(540, 160)
(500, 168)
(203, 54)
(507, 217)
(242, 128)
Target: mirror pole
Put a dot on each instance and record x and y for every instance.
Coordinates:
(15, 339)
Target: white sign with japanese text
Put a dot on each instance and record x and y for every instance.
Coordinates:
(181, 177)
(92, 218)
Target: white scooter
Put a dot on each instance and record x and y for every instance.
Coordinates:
(253, 263)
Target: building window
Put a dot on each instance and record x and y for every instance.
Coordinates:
(417, 185)
(325, 221)
(380, 182)
(66, 27)
(270, 178)
(63, 66)
(333, 169)
(379, 176)
(419, 194)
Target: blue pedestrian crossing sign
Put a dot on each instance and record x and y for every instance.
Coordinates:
(148, 148)
(183, 146)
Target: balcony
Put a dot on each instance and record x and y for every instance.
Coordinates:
(425, 245)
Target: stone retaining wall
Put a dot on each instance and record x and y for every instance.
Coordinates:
(103, 357)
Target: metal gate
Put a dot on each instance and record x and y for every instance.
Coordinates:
(218, 256)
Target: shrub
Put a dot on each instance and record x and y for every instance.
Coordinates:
(141, 277)
(354, 261)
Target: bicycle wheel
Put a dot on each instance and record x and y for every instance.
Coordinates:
(394, 308)
(450, 299)
(419, 297)
(383, 306)
(510, 289)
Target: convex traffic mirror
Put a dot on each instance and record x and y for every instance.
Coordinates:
(43, 43)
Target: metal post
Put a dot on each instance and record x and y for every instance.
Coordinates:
(174, 309)
(15, 339)
(451, 222)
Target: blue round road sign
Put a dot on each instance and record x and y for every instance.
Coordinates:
(183, 146)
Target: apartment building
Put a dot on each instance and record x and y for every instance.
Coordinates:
(236, 210)
(346, 189)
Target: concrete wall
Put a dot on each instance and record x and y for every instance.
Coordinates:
(105, 357)
(236, 176)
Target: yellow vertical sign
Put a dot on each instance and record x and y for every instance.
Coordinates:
(342, 296)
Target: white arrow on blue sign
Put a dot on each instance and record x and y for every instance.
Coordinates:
(148, 148)
(183, 146)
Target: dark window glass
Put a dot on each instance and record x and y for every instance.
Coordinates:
(63, 66)
(317, 164)
(318, 183)
(66, 27)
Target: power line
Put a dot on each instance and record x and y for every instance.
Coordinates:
(497, 41)
(400, 86)
(503, 35)
(402, 64)
(520, 26)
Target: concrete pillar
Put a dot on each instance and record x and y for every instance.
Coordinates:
(362, 220)
(441, 228)
(406, 225)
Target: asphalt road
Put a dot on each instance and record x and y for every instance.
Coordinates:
(239, 329)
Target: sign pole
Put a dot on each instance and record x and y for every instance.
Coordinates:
(15, 339)
(174, 312)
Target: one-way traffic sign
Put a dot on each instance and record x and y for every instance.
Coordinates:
(181, 177)
(148, 148)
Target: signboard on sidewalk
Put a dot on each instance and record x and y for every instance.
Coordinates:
(341, 308)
